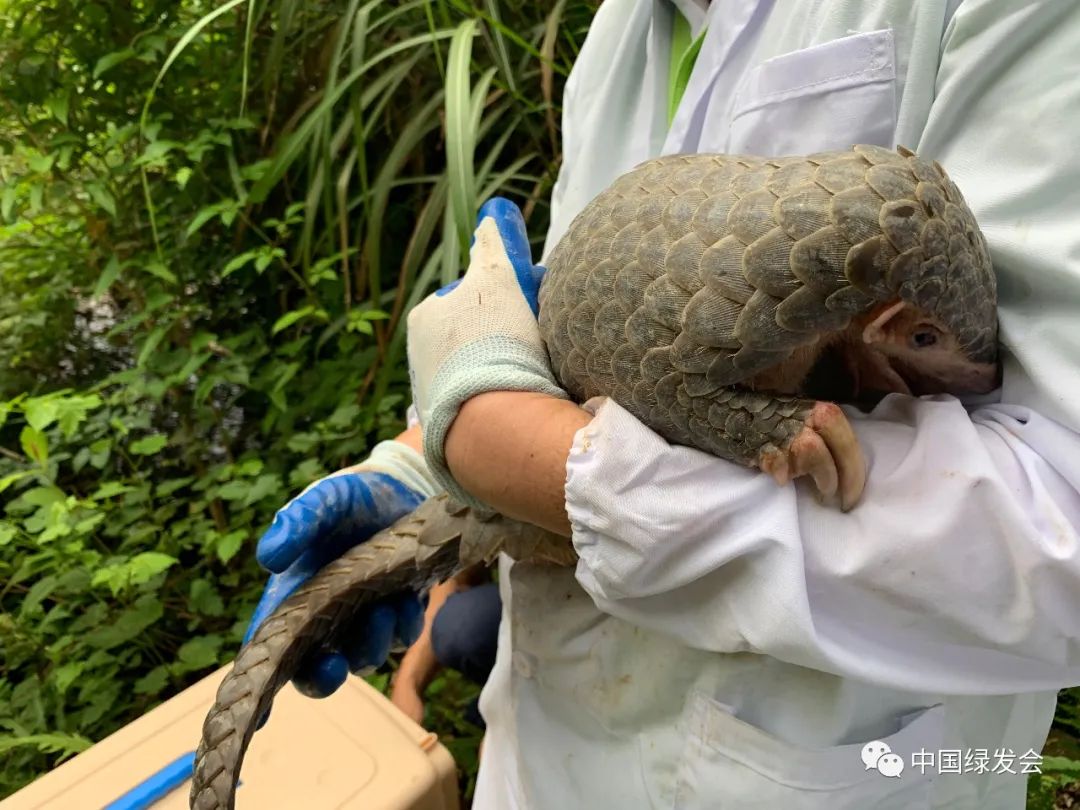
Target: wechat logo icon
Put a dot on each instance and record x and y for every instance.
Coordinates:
(877, 756)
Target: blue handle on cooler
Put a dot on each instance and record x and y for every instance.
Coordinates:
(156, 786)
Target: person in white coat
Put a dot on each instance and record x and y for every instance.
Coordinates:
(725, 642)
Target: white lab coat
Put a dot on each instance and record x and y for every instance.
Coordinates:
(728, 643)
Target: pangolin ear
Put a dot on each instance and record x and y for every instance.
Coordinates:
(877, 329)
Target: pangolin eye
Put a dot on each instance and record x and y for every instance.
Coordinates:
(923, 338)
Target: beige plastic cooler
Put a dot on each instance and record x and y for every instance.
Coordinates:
(352, 750)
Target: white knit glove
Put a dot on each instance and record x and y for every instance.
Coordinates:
(478, 334)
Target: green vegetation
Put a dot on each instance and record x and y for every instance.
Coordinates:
(213, 219)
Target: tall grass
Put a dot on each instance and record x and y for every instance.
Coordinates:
(425, 108)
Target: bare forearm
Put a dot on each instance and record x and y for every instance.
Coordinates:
(419, 664)
(412, 438)
(509, 449)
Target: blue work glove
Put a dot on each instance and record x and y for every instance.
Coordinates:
(479, 334)
(325, 520)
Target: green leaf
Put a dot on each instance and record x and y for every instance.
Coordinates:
(144, 567)
(361, 326)
(185, 40)
(250, 466)
(153, 340)
(306, 472)
(233, 490)
(111, 60)
(226, 209)
(284, 375)
(502, 55)
(34, 445)
(38, 592)
(99, 453)
(57, 105)
(103, 197)
(167, 488)
(148, 445)
(37, 197)
(182, 176)
(65, 674)
(156, 150)
(53, 743)
(43, 496)
(8, 531)
(266, 256)
(261, 487)
(153, 681)
(7, 203)
(110, 489)
(344, 416)
(56, 522)
(41, 412)
(289, 318)
(99, 702)
(74, 410)
(39, 164)
(239, 261)
(1060, 765)
(87, 525)
(107, 277)
(230, 544)
(205, 598)
(138, 570)
(159, 270)
(130, 624)
(199, 653)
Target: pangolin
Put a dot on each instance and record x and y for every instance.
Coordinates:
(721, 299)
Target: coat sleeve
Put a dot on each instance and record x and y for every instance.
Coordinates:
(959, 572)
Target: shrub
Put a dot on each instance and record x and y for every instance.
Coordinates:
(212, 223)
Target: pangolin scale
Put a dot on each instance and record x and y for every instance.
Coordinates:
(680, 291)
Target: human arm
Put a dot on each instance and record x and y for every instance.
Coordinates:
(496, 452)
(419, 664)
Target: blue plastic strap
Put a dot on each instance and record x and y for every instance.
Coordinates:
(156, 786)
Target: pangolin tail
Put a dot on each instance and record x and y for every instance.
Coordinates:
(418, 550)
(428, 545)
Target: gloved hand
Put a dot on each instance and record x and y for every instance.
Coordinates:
(478, 334)
(325, 520)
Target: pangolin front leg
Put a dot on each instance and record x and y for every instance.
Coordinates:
(789, 437)
(826, 449)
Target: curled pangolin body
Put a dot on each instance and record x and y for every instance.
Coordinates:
(693, 274)
(676, 292)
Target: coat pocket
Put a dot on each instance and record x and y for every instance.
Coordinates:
(829, 96)
(728, 762)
